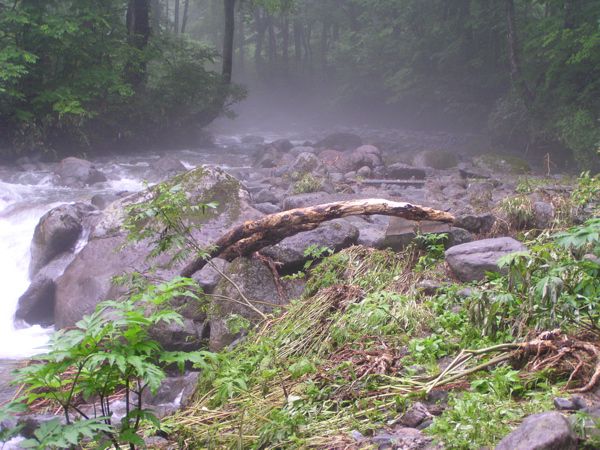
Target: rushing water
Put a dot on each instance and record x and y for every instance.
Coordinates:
(26, 195)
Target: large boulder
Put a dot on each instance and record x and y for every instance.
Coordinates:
(401, 171)
(472, 260)
(77, 172)
(87, 280)
(544, 431)
(305, 163)
(289, 253)
(257, 282)
(401, 232)
(57, 232)
(36, 305)
(166, 167)
(340, 141)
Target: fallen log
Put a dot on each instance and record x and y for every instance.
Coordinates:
(417, 183)
(251, 236)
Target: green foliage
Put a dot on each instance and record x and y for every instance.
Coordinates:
(587, 192)
(547, 287)
(518, 211)
(308, 183)
(434, 245)
(485, 415)
(109, 351)
(66, 78)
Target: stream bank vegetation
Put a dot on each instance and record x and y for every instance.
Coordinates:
(365, 341)
(374, 332)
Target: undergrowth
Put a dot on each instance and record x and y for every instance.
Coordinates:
(364, 341)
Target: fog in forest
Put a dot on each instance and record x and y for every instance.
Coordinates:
(325, 224)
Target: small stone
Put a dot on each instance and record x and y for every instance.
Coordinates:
(415, 415)
(564, 404)
(544, 431)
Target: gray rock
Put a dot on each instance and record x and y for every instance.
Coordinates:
(564, 404)
(476, 223)
(267, 208)
(335, 234)
(340, 141)
(371, 229)
(101, 201)
(336, 177)
(472, 260)
(429, 287)
(252, 139)
(268, 158)
(302, 149)
(364, 172)
(167, 166)
(76, 172)
(283, 145)
(543, 213)
(57, 232)
(544, 431)
(401, 232)
(179, 338)
(87, 280)
(256, 280)
(210, 274)
(402, 438)
(36, 305)
(366, 155)
(305, 163)
(401, 171)
(415, 415)
(266, 196)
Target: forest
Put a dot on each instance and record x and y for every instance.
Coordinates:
(300, 224)
(89, 75)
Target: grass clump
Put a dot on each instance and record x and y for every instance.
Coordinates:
(306, 184)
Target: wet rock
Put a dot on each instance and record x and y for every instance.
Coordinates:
(57, 231)
(472, 260)
(476, 223)
(256, 280)
(544, 431)
(429, 287)
(543, 213)
(87, 280)
(364, 172)
(209, 276)
(402, 438)
(36, 305)
(267, 158)
(335, 234)
(303, 200)
(371, 229)
(305, 163)
(436, 159)
(267, 196)
(267, 208)
(283, 145)
(166, 167)
(101, 201)
(401, 232)
(401, 171)
(415, 415)
(336, 161)
(340, 141)
(564, 404)
(336, 177)
(177, 391)
(176, 337)
(366, 155)
(76, 172)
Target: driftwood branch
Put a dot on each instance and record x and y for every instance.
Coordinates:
(251, 236)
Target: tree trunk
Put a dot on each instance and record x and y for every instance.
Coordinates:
(260, 24)
(297, 41)
(155, 9)
(285, 43)
(513, 55)
(569, 8)
(241, 44)
(176, 18)
(186, 9)
(138, 30)
(251, 236)
(228, 40)
(272, 41)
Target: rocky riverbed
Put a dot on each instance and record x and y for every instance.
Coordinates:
(70, 215)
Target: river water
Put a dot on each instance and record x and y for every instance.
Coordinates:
(26, 195)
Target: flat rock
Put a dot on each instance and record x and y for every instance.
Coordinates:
(472, 260)
(544, 431)
(401, 232)
(335, 234)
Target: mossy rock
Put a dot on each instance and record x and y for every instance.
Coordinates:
(509, 164)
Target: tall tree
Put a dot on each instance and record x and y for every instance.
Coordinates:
(228, 40)
(138, 29)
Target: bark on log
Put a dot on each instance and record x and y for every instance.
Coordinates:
(251, 236)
